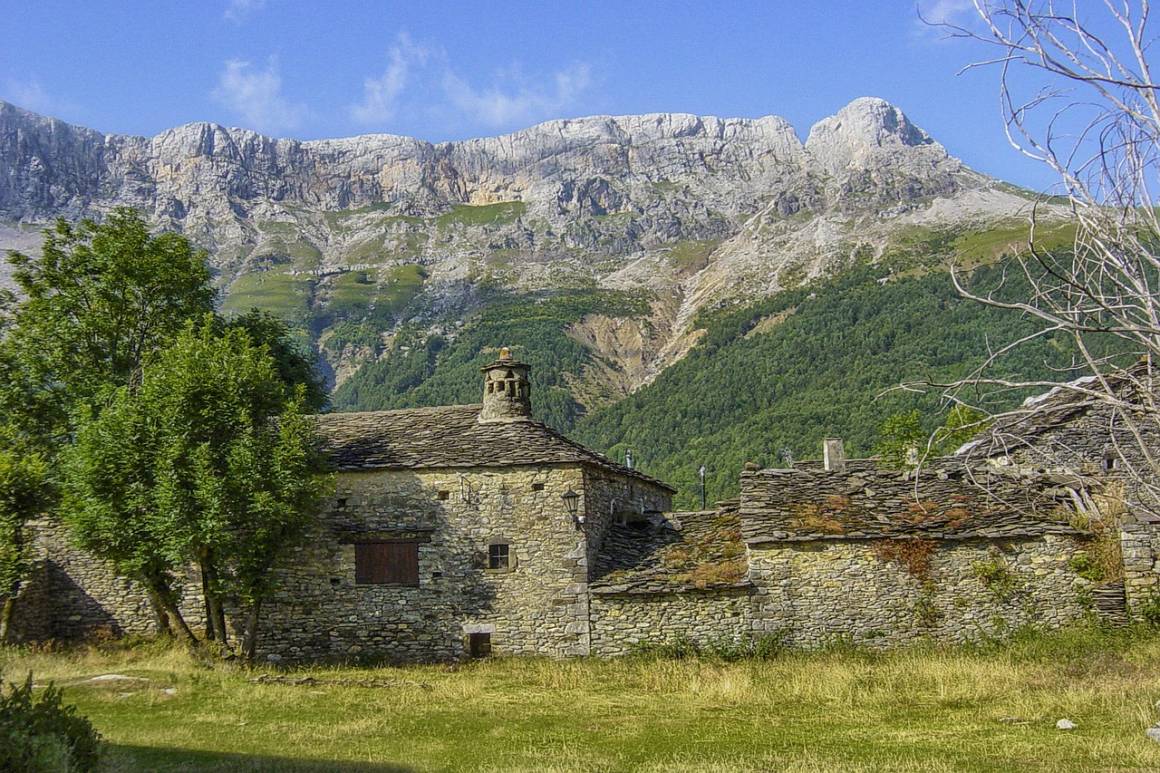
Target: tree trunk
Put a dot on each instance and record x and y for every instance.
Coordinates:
(250, 642)
(215, 614)
(160, 613)
(6, 617)
(159, 590)
(210, 633)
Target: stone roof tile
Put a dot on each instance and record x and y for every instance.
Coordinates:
(450, 436)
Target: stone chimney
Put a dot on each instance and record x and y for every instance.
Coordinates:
(507, 394)
(834, 454)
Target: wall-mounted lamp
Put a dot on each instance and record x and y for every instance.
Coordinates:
(572, 503)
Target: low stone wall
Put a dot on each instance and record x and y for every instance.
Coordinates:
(703, 617)
(813, 593)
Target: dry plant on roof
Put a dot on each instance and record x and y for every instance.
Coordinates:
(1078, 95)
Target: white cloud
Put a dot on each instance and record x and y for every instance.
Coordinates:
(256, 96)
(381, 95)
(522, 102)
(932, 13)
(30, 95)
(238, 11)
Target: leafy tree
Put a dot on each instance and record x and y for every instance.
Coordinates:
(24, 494)
(101, 298)
(900, 438)
(225, 471)
(295, 365)
(110, 479)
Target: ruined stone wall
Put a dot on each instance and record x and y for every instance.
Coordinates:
(814, 592)
(706, 618)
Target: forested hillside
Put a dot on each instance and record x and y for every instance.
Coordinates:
(766, 381)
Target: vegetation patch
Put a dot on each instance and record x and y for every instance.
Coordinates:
(913, 555)
(278, 292)
(499, 213)
(996, 577)
(692, 256)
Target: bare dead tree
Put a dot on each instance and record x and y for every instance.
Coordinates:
(1077, 94)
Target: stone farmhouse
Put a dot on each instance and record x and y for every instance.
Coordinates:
(463, 531)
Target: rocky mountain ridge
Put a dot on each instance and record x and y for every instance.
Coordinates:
(376, 230)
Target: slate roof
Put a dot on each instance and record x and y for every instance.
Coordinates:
(950, 501)
(450, 436)
(673, 552)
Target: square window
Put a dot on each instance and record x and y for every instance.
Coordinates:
(498, 556)
(394, 562)
(537, 487)
(444, 496)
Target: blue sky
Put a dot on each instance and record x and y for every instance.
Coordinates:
(440, 70)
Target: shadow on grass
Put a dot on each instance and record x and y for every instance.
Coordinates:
(117, 758)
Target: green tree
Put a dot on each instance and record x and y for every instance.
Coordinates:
(899, 438)
(101, 298)
(24, 494)
(225, 472)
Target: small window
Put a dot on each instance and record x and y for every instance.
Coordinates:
(386, 563)
(498, 556)
(479, 644)
(444, 496)
(341, 503)
(537, 487)
(1109, 462)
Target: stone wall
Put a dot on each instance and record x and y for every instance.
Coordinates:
(70, 595)
(814, 592)
(706, 618)
(1140, 548)
(534, 608)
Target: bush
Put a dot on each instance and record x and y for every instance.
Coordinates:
(42, 734)
(1149, 610)
(996, 577)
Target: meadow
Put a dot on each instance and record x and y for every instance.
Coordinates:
(988, 708)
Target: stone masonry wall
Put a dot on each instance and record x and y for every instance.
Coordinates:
(1140, 548)
(72, 595)
(319, 612)
(704, 617)
(815, 592)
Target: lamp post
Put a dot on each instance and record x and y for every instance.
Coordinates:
(572, 503)
(701, 474)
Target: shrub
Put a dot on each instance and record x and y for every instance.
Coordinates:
(1086, 567)
(996, 577)
(40, 733)
(1149, 610)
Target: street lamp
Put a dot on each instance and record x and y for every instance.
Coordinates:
(572, 502)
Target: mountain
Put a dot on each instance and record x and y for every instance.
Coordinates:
(600, 247)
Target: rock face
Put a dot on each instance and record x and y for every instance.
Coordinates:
(697, 209)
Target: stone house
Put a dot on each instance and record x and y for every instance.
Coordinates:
(463, 531)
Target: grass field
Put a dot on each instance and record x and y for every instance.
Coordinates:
(932, 710)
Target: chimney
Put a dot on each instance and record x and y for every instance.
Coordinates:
(834, 454)
(507, 394)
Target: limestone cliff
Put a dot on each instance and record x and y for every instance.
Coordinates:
(699, 210)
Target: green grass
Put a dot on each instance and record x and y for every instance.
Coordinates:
(841, 710)
(692, 255)
(274, 291)
(483, 214)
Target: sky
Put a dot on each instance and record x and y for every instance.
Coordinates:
(454, 70)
